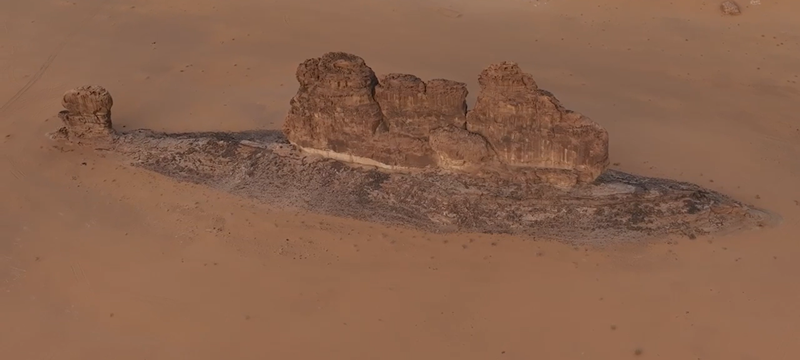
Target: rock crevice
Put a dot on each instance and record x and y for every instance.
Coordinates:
(87, 113)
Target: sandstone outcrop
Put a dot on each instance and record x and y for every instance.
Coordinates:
(413, 107)
(492, 187)
(87, 113)
(515, 132)
(530, 129)
(334, 109)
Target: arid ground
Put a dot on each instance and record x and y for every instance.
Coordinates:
(100, 260)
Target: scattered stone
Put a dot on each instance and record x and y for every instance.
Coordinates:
(730, 8)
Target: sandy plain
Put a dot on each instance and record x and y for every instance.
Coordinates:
(100, 260)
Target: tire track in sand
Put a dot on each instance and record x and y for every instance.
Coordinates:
(49, 61)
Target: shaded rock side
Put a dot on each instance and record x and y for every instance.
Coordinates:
(531, 132)
(413, 107)
(334, 109)
(87, 113)
(457, 148)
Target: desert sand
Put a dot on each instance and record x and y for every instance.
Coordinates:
(101, 260)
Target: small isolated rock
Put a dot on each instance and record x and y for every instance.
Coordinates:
(87, 114)
(730, 8)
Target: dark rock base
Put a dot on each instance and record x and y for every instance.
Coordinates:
(617, 207)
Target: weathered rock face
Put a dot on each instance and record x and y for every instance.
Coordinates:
(334, 109)
(457, 148)
(616, 207)
(529, 128)
(414, 108)
(87, 114)
(730, 8)
(516, 131)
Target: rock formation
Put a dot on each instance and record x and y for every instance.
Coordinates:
(499, 160)
(515, 132)
(413, 107)
(87, 113)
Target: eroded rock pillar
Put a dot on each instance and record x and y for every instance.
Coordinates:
(87, 112)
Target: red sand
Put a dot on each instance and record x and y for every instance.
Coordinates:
(102, 261)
